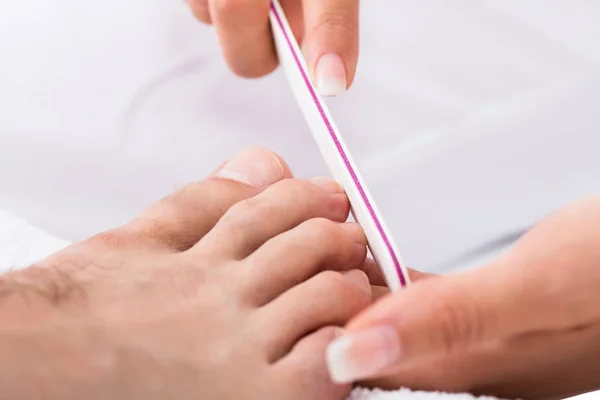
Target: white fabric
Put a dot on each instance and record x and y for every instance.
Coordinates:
(469, 119)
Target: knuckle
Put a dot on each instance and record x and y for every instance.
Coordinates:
(334, 22)
(460, 320)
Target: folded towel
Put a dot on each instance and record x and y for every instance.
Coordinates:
(22, 244)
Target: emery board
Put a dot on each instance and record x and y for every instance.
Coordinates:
(335, 152)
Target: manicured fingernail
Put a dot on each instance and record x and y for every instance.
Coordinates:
(256, 167)
(359, 278)
(330, 75)
(328, 185)
(363, 354)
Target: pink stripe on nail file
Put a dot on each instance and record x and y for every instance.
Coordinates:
(399, 269)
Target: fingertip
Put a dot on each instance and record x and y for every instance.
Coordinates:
(330, 75)
(331, 44)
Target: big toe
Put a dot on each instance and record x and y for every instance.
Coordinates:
(180, 220)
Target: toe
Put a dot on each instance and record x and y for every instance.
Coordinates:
(329, 298)
(305, 366)
(283, 206)
(295, 256)
(180, 220)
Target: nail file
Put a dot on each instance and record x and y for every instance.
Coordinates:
(335, 151)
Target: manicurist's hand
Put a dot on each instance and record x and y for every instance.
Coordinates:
(326, 29)
(525, 326)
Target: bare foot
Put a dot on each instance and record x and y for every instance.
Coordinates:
(231, 288)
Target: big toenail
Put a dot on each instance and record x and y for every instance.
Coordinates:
(359, 278)
(328, 185)
(255, 167)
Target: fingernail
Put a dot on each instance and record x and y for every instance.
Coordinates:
(363, 354)
(359, 278)
(328, 185)
(256, 167)
(330, 75)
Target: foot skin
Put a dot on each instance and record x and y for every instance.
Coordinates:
(230, 288)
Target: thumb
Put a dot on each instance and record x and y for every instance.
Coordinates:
(549, 281)
(331, 43)
(433, 316)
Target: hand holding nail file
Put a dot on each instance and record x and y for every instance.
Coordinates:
(335, 152)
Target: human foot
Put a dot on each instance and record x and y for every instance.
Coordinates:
(226, 289)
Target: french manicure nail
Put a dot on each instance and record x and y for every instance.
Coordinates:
(327, 184)
(256, 167)
(363, 354)
(330, 75)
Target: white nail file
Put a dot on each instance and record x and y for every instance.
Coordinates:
(335, 152)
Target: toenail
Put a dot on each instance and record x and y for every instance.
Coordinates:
(355, 231)
(328, 185)
(359, 278)
(255, 167)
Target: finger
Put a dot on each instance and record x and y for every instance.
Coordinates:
(331, 43)
(329, 298)
(200, 10)
(293, 257)
(177, 222)
(294, 14)
(376, 276)
(245, 35)
(520, 367)
(283, 206)
(532, 288)
(432, 316)
(305, 366)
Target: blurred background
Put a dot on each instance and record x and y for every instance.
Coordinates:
(470, 120)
